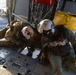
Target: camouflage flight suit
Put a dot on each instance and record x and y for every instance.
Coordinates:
(11, 36)
(56, 50)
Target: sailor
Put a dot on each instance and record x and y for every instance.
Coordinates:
(55, 45)
(33, 39)
(18, 35)
(11, 36)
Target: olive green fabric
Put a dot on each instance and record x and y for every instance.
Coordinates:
(11, 35)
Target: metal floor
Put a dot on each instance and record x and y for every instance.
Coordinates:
(14, 63)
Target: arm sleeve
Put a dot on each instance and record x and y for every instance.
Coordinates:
(72, 39)
(74, 46)
(44, 43)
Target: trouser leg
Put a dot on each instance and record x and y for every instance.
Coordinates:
(5, 43)
(70, 62)
(2, 33)
(69, 65)
(56, 64)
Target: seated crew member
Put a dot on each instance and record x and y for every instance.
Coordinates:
(55, 44)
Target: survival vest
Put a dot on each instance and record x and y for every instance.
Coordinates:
(59, 39)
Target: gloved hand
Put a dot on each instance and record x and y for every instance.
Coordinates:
(42, 57)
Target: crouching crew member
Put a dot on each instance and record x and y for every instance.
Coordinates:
(19, 35)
